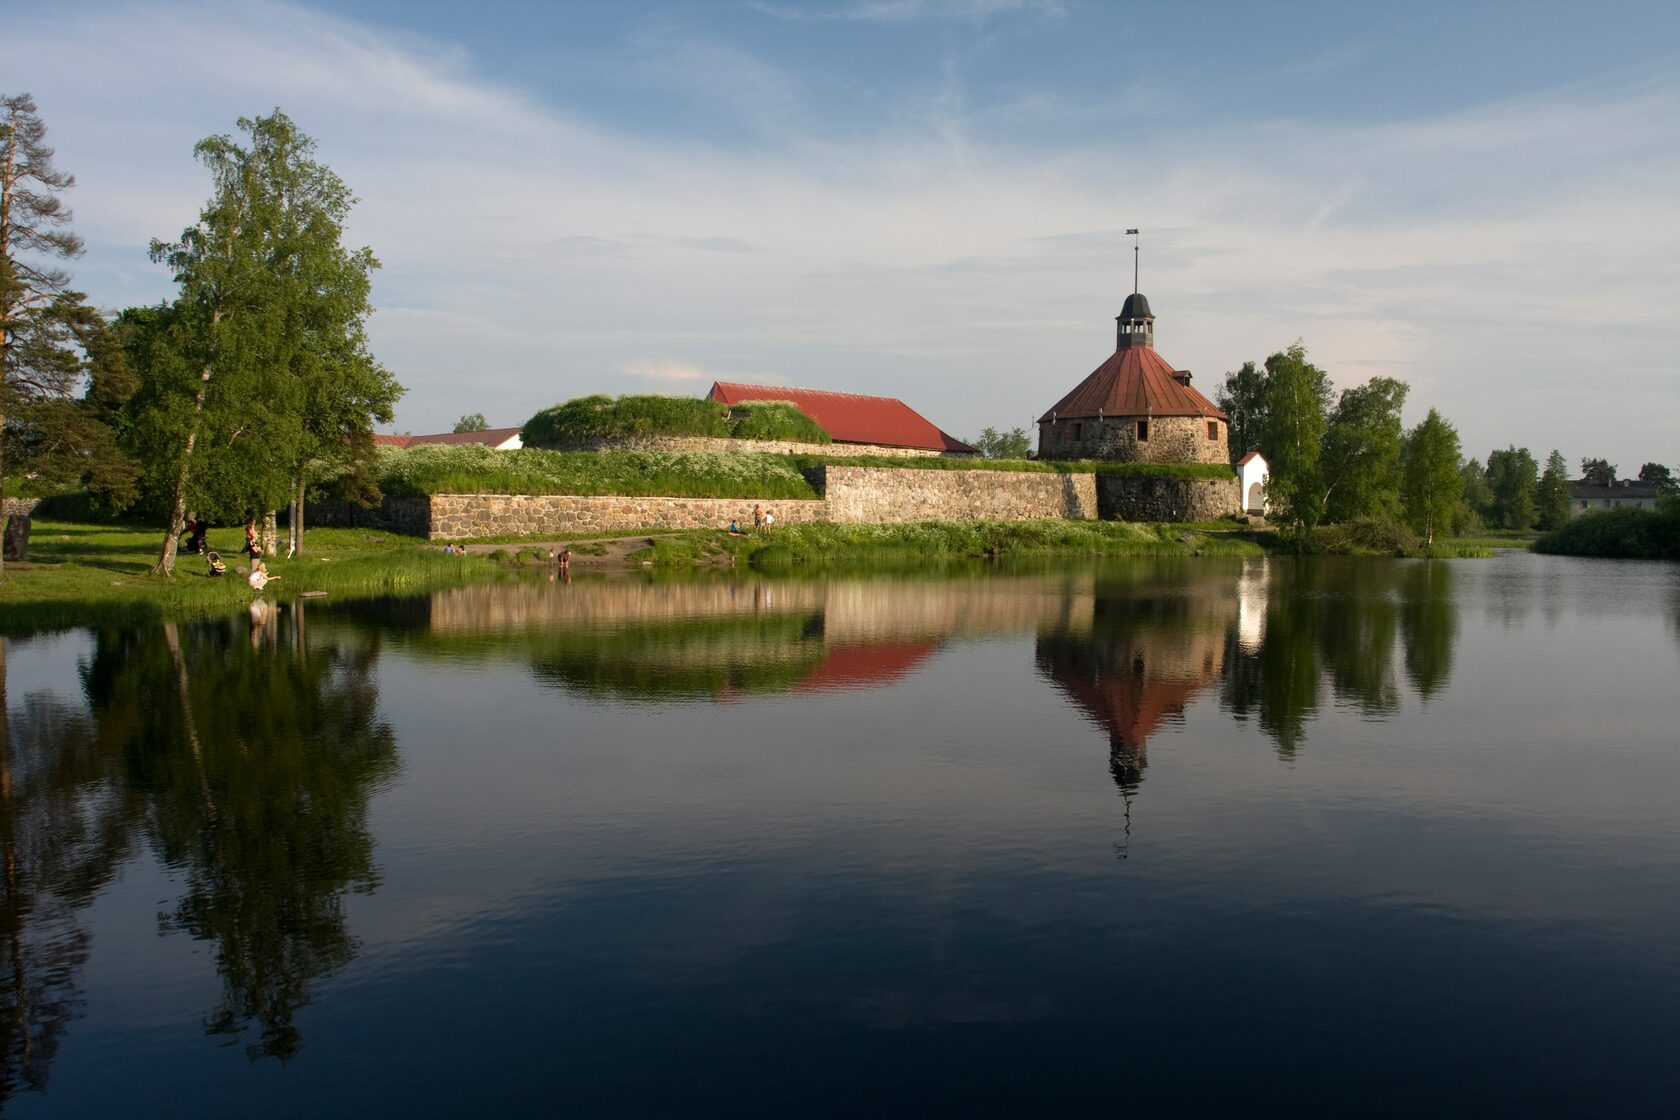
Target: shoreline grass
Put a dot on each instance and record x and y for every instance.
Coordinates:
(81, 573)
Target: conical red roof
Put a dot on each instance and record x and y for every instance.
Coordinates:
(1135, 381)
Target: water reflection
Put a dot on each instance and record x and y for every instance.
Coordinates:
(244, 753)
(63, 831)
(255, 754)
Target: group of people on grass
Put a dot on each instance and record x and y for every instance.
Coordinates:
(763, 519)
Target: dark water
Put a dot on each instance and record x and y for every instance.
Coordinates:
(1194, 837)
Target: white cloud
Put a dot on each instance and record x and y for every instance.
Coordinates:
(1503, 258)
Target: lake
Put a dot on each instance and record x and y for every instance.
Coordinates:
(1196, 836)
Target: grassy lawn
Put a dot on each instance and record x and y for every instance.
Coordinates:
(80, 573)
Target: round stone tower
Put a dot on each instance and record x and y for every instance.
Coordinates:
(1135, 407)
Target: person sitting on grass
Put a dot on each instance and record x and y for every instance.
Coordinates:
(259, 576)
(735, 530)
(217, 568)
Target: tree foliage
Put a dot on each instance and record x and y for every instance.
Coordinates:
(472, 422)
(1475, 499)
(1431, 484)
(1513, 480)
(51, 342)
(1242, 397)
(260, 366)
(1599, 472)
(1553, 493)
(1659, 474)
(993, 444)
(1360, 464)
(1296, 395)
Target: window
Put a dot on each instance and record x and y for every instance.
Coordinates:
(1078, 431)
(1213, 429)
(1143, 431)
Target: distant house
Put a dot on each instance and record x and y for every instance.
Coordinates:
(852, 418)
(1584, 496)
(1254, 473)
(497, 439)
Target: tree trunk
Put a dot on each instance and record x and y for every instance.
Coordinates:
(297, 506)
(178, 508)
(270, 533)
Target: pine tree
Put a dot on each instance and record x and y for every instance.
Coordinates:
(40, 316)
(1554, 493)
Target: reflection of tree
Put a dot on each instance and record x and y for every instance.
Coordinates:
(1428, 624)
(1344, 617)
(256, 759)
(63, 829)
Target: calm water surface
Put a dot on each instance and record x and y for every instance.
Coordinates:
(1198, 836)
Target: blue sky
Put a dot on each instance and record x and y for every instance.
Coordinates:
(927, 198)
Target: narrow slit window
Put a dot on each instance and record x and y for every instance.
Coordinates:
(1213, 429)
(1143, 430)
(1078, 431)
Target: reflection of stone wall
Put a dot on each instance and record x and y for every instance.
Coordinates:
(742, 446)
(1172, 439)
(875, 495)
(455, 516)
(1127, 498)
(854, 612)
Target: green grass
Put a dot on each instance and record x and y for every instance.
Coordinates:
(775, 420)
(473, 469)
(601, 417)
(80, 573)
(934, 540)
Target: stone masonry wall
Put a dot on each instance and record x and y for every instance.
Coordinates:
(884, 495)
(18, 507)
(743, 447)
(1124, 498)
(1172, 439)
(455, 516)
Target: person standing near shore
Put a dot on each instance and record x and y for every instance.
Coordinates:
(758, 519)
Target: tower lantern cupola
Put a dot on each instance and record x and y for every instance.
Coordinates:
(1135, 325)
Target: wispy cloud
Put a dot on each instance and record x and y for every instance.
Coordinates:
(533, 253)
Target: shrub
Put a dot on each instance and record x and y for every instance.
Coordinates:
(1629, 534)
(1364, 536)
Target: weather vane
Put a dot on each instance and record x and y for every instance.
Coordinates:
(1134, 235)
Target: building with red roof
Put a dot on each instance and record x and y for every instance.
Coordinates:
(1135, 407)
(497, 439)
(853, 418)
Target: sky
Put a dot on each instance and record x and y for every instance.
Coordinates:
(927, 199)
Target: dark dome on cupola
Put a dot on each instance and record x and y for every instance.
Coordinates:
(1136, 307)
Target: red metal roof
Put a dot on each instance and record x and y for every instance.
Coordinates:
(850, 417)
(867, 666)
(1135, 381)
(492, 437)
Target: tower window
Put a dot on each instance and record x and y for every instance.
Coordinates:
(1213, 429)
(1143, 431)
(1078, 431)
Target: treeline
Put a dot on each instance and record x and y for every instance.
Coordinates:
(1345, 458)
(253, 387)
(1342, 457)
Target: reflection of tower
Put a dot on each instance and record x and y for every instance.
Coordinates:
(1148, 652)
(1251, 606)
